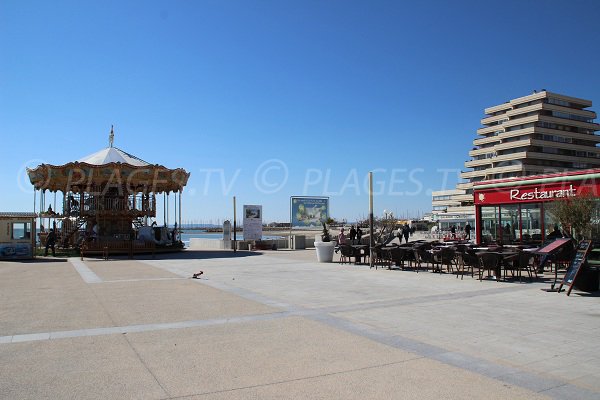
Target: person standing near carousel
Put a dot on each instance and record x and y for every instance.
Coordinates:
(50, 242)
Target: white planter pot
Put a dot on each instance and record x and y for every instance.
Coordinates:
(325, 251)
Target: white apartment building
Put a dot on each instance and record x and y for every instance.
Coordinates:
(541, 133)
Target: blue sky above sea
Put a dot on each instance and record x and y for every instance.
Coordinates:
(264, 100)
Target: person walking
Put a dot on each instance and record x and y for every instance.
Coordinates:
(352, 234)
(468, 231)
(50, 242)
(405, 232)
(341, 237)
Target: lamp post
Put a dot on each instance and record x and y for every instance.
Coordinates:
(371, 242)
(234, 227)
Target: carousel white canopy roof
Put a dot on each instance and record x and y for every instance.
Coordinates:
(108, 166)
(113, 155)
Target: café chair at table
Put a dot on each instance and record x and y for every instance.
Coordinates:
(422, 257)
(524, 261)
(490, 262)
(345, 253)
(378, 255)
(562, 259)
(467, 261)
(396, 257)
(446, 256)
(409, 257)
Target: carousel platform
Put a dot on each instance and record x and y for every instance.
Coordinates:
(106, 248)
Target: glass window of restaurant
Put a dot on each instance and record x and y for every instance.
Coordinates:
(489, 223)
(531, 222)
(549, 220)
(509, 223)
(509, 218)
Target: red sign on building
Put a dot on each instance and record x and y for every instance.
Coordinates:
(532, 193)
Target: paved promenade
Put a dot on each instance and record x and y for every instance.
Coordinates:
(279, 325)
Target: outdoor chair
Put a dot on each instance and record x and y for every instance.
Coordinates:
(358, 255)
(396, 256)
(422, 256)
(490, 262)
(378, 255)
(345, 253)
(409, 255)
(563, 258)
(468, 262)
(446, 257)
(523, 262)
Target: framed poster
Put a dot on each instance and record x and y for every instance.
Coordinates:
(308, 212)
(252, 222)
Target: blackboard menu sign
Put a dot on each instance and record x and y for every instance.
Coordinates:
(578, 260)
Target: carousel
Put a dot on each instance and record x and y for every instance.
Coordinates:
(108, 200)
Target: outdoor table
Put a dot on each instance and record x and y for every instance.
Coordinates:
(506, 257)
(361, 252)
(385, 254)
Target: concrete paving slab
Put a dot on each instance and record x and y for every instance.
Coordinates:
(417, 379)
(43, 297)
(272, 358)
(590, 382)
(132, 303)
(80, 368)
(125, 270)
(230, 356)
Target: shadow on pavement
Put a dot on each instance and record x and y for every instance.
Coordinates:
(39, 259)
(203, 254)
(184, 255)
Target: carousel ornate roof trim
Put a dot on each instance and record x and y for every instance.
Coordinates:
(108, 167)
(83, 177)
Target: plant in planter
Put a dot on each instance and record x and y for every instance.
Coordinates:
(325, 247)
(325, 236)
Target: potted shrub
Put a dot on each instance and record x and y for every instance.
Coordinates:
(325, 247)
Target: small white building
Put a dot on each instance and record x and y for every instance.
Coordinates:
(17, 235)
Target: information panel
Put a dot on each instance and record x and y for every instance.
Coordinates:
(252, 222)
(309, 212)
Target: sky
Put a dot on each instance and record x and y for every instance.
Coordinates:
(264, 100)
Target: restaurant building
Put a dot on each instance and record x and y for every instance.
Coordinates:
(516, 210)
(540, 133)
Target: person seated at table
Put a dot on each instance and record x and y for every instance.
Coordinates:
(555, 234)
(341, 237)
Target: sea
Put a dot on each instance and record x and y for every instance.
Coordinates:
(187, 235)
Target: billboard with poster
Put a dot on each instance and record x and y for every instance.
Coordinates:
(252, 222)
(309, 212)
